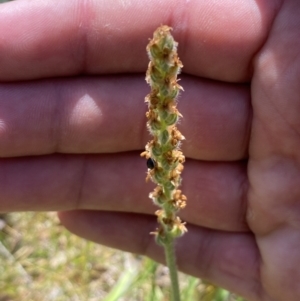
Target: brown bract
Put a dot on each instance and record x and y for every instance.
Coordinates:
(163, 116)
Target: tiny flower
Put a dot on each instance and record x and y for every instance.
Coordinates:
(164, 159)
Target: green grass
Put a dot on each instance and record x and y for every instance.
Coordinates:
(40, 260)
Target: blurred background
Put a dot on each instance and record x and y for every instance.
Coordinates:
(40, 260)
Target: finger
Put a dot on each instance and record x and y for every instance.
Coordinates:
(107, 114)
(215, 191)
(229, 260)
(275, 135)
(63, 38)
(274, 169)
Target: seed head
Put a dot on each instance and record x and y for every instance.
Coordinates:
(164, 158)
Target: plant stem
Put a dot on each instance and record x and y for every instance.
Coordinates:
(169, 248)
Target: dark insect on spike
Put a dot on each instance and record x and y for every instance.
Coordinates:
(150, 163)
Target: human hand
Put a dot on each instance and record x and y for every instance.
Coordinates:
(72, 127)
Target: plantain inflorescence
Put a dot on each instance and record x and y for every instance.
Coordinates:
(164, 158)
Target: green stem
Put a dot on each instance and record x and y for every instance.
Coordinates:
(169, 247)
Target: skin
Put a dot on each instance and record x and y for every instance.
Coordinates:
(72, 126)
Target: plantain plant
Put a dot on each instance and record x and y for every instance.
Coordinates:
(164, 158)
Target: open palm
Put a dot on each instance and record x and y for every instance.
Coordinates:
(72, 126)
